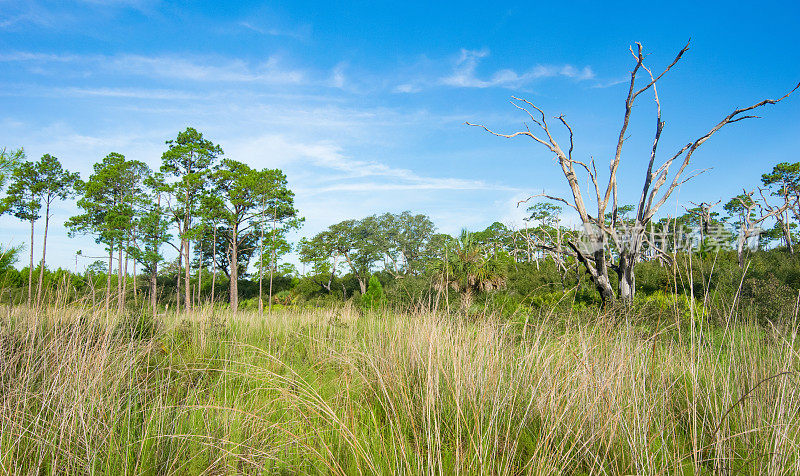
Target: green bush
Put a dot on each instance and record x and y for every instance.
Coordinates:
(374, 298)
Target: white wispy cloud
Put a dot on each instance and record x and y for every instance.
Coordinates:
(299, 33)
(127, 93)
(200, 69)
(173, 67)
(344, 173)
(464, 73)
(337, 78)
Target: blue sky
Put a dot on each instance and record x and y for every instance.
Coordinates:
(363, 104)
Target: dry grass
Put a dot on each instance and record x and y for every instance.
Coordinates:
(335, 392)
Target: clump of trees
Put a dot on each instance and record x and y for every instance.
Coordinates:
(129, 209)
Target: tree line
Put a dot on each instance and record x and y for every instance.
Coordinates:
(229, 216)
(197, 199)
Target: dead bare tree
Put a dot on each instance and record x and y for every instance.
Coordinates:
(594, 252)
(754, 212)
(703, 213)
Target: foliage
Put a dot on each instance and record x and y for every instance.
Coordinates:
(374, 298)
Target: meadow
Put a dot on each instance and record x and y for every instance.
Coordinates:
(340, 390)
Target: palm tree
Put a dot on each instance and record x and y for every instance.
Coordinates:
(467, 268)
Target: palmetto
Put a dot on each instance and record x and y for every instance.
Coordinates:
(467, 268)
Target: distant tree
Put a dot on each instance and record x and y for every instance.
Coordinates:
(468, 269)
(23, 201)
(276, 217)
(546, 214)
(237, 186)
(701, 217)
(9, 159)
(210, 215)
(319, 253)
(54, 183)
(784, 182)
(188, 160)
(356, 241)
(494, 239)
(750, 211)
(402, 239)
(109, 199)
(151, 231)
(547, 234)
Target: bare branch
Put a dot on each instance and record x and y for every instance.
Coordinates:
(549, 197)
(592, 176)
(509, 136)
(729, 119)
(628, 108)
(571, 144)
(640, 213)
(536, 121)
(544, 119)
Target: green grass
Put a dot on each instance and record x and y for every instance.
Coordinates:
(332, 391)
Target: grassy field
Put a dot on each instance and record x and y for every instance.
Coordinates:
(335, 391)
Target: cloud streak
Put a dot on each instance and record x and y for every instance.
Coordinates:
(197, 69)
(464, 73)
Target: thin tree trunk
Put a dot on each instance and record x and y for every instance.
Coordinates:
(44, 252)
(272, 265)
(125, 273)
(135, 294)
(234, 285)
(178, 285)
(30, 269)
(187, 257)
(108, 278)
(199, 277)
(787, 234)
(740, 249)
(120, 293)
(213, 264)
(261, 272)
(154, 291)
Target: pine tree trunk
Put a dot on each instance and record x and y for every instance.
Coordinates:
(261, 271)
(187, 257)
(199, 278)
(108, 278)
(125, 275)
(178, 285)
(120, 294)
(30, 269)
(44, 252)
(234, 285)
(213, 265)
(153, 291)
(135, 293)
(271, 266)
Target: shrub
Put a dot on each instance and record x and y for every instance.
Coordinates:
(374, 298)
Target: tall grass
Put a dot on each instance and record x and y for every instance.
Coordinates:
(334, 391)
